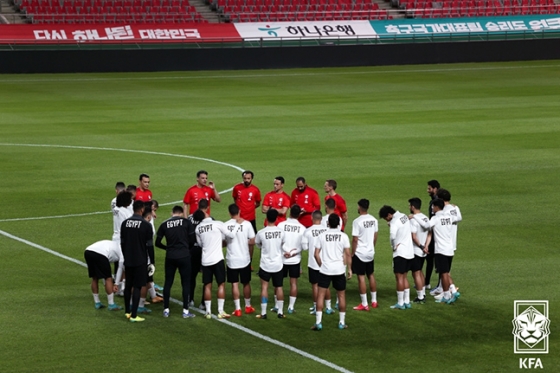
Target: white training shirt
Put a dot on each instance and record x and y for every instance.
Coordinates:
(442, 233)
(331, 245)
(112, 251)
(325, 222)
(269, 240)
(309, 242)
(365, 227)
(292, 233)
(455, 212)
(209, 235)
(238, 255)
(420, 225)
(120, 214)
(401, 236)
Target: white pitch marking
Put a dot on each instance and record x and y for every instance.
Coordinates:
(118, 150)
(241, 76)
(226, 322)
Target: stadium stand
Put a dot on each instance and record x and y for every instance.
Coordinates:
(298, 10)
(180, 11)
(476, 8)
(109, 11)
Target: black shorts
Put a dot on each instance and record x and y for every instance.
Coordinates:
(313, 275)
(443, 263)
(417, 263)
(338, 281)
(277, 277)
(401, 265)
(361, 268)
(136, 276)
(98, 265)
(217, 270)
(292, 270)
(237, 274)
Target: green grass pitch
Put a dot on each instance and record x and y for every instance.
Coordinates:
(490, 133)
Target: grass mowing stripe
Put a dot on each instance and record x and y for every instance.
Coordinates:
(241, 76)
(229, 323)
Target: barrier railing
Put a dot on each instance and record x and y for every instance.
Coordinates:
(265, 42)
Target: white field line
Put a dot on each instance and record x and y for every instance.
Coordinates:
(226, 322)
(280, 75)
(117, 150)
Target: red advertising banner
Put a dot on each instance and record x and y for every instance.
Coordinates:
(111, 33)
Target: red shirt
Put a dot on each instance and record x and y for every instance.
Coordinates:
(277, 201)
(309, 201)
(340, 207)
(143, 195)
(195, 194)
(245, 198)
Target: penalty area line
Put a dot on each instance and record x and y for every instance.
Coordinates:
(226, 322)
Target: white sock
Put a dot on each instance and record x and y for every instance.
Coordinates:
(318, 317)
(407, 296)
(184, 310)
(111, 298)
(292, 302)
(96, 298)
(247, 302)
(237, 304)
(364, 299)
(142, 302)
(452, 288)
(263, 308)
(167, 310)
(327, 304)
(400, 298)
(447, 295)
(208, 305)
(280, 306)
(420, 293)
(373, 296)
(152, 291)
(221, 305)
(275, 302)
(342, 317)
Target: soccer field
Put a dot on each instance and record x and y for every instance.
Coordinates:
(490, 133)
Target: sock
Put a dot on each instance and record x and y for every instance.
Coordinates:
(167, 310)
(420, 293)
(142, 302)
(292, 302)
(342, 318)
(318, 317)
(247, 302)
(452, 288)
(152, 291)
(280, 306)
(237, 304)
(373, 296)
(185, 310)
(221, 305)
(447, 294)
(208, 305)
(439, 284)
(111, 298)
(275, 302)
(364, 299)
(400, 298)
(407, 296)
(327, 304)
(264, 304)
(96, 298)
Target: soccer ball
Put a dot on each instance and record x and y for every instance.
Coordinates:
(208, 316)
